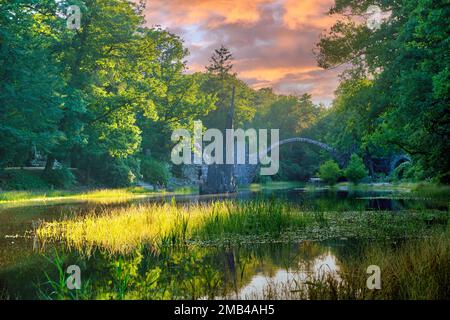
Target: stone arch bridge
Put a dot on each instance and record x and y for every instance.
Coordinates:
(245, 173)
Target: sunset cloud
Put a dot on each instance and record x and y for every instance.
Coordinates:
(182, 12)
(271, 40)
(300, 13)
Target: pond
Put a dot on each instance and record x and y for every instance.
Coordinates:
(255, 266)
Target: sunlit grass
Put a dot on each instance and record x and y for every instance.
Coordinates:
(121, 230)
(50, 195)
(124, 229)
(12, 196)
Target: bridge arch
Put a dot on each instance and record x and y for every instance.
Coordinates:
(245, 173)
(397, 160)
(334, 153)
(306, 140)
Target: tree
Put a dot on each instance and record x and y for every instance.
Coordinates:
(219, 81)
(179, 99)
(96, 95)
(221, 62)
(405, 107)
(329, 172)
(356, 170)
(31, 87)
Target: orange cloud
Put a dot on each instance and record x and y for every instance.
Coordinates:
(300, 13)
(271, 40)
(274, 74)
(217, 11)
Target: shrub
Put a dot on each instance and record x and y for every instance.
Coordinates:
(329, 172)
(22, 180)
(356, 170)
(59, 178)
(292, 171)
(120, 173)
(154, 171)
(107, 171)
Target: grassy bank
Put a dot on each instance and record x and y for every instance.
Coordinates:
(121, 230)
(422, 190)
(50, 195)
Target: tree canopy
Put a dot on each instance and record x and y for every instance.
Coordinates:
(104, 98)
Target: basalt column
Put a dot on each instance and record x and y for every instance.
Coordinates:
(221, 177)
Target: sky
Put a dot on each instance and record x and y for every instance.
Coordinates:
(271, 40)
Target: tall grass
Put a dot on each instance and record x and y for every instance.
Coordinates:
(13, 196)
(47, 195)
(121, 230)
(412, 269)
(223, 219)
(415, 270)
(57, 289)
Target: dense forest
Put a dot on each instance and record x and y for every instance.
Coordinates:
(98, 104)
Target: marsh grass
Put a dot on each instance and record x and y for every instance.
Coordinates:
(418, 269)
(228, 219)
(4, 295)
(270, 186)
(49, 195)
(160, 250)
(57, 289)
(121, 230)
(12, 196)
(431, 190)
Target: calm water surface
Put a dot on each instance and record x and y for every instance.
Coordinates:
(243, 271)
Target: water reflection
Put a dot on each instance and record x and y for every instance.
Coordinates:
(245, 271)
(184, 273)
(292, 278)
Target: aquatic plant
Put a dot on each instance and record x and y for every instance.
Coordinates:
(121, 230)
(417, 269)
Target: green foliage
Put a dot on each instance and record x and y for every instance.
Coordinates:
(22, 180)
(396, 95)
(58, 289)
(30, 83)
(291, 113)
(408, 171)
(263, 179)
(154, 171)
(59, 178)
(329, 172)
(356, 170)
(295, 116)
(93, 94)
(219, 82)
(116, 89)
(432, 190)
(117, 173)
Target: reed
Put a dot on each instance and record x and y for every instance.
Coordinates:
(121, 230)
(414, 270)
(110, 194)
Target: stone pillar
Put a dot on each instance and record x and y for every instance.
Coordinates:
(220, 178)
